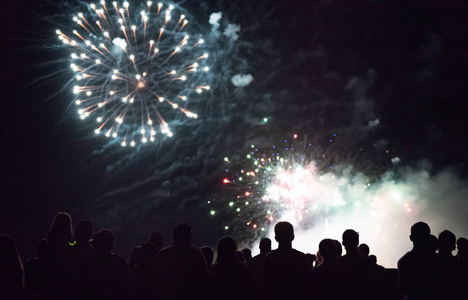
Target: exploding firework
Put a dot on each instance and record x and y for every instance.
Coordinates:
(268, 184)
(292, 182)
(136, 66)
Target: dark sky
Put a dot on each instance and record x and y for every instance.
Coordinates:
(320, 68)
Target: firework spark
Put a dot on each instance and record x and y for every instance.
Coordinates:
(135, 67)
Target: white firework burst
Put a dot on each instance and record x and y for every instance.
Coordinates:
(135, 65)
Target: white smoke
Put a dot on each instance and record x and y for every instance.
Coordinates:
(382, 212)
(231, 31)
(373, 123)
(241, 80)
(119, 42)
(215, 18)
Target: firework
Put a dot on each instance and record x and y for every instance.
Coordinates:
(290, 181)
(135, 66)
(268, 183)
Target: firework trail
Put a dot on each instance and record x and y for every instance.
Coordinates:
(135, 67)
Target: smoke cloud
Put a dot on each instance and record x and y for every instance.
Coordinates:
(241, 80)
(382, 211)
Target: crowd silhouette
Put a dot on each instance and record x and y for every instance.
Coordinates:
(82, 266)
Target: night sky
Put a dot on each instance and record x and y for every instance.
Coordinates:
(388, 78)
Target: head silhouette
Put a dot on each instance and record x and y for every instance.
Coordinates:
(265, 245)
(147, 252)
(247, 254)
(227, 250)
(104, 241)
(84, 231)
(420, 235)
(182, 234)
(350, 240)
(61, 230)
(447, 242)
(327, 249)
(364, 249)
(284, 233)
(373, 259)
(157, 238)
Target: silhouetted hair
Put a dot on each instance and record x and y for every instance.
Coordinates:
(373, 259)
(208, 253)
(265, 245)
(182, 233)
(420, 230)
(9, 258)
(350, 238)
(364, 249)
(84, 231)
(327, 248)
(61, 229)
(447, 241)
(284, 232)
(227, 250)
(158, 239)
(104, 240)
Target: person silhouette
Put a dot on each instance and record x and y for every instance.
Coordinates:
(285, 267)
(322, 280)
(257, 269)
(418, 269)
(11, 270)
(353, 268)
(449, 265)
(81, 250)
(180, 270)
(229, 278)
(105, 274)
(59, 238)
(60, 235)
(141, 275)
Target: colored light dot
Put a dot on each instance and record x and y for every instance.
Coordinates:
(212, 212)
